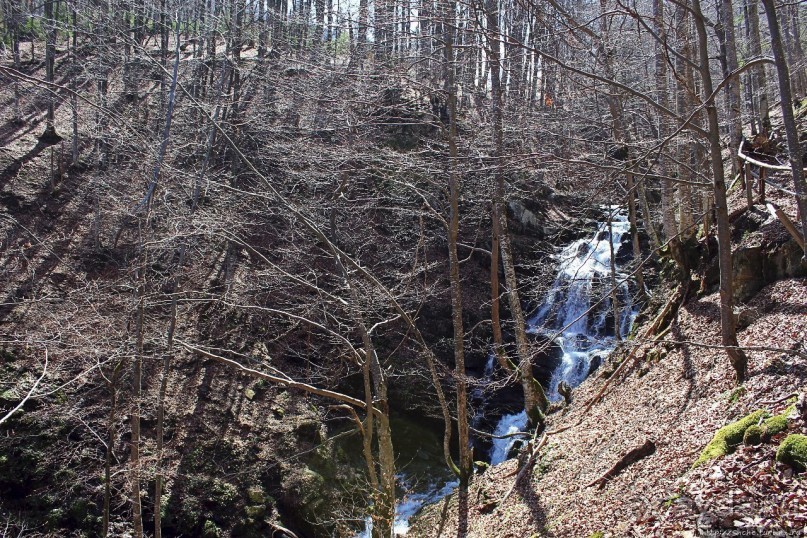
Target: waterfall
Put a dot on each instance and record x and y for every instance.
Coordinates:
(583, 277)
(508, 424)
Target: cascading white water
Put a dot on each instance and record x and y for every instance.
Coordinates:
(508, 425)
(564, 315)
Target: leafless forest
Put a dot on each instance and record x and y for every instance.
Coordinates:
(241, 239)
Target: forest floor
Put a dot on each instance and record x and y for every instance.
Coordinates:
(676, 394)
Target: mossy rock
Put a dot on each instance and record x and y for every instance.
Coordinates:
(728, 437)
(309, 431)
(199, 499)
(753, 435)
(756, 435)
(777, 424)
(256, 495)
(793, 452)
(481, 466)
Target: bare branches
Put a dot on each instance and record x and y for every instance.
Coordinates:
(284, 381)
(30, 393)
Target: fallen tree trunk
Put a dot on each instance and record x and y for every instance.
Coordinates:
(788, 224)
(645, 449)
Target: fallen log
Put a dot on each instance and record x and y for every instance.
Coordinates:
(645, 449)
(788, 224)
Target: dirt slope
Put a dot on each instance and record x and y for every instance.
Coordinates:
(677, 395)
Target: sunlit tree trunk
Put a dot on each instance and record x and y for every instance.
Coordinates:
(450, 89)
(728, 332)
(791, 130)
(535, 401)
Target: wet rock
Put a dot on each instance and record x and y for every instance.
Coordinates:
(526, 219)
(547, 361)
(595, 362)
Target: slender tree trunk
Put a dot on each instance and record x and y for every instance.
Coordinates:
(791, 130)
(614, 289)
(728, 333)
(726, 34)
(685, 101)
(376, 398)
(49, 136)
(454, 264)
(535, 401)
(74, 146)
(114, 379)
(667, 192)
(758, 77)
(137, 393)
(634, 232)
(14, 15)
(790, 33)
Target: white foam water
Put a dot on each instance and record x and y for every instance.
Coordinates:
(569, 316)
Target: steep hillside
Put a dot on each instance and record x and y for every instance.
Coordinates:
(80, 255)
(664, 406)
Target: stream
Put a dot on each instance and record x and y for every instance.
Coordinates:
(584, 338)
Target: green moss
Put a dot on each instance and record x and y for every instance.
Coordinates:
(255, 512)
(753, 435)
(793, 452)
(255, 495)
(778, 423)
(728, 437)
(481, 466)
(9, 395)
(598, 534)
(210, 530)
(223, 493)
(736, 394)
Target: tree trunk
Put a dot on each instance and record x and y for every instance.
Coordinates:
(791, 130)
(667, 192)
(14, 15)
(114, 379)
(535, 401)
(137, 393)
(634, 232)
(758, 77)
(728, 332)
(74, 146)
(49, 136)
(726, 34)
(687, 152)
(464, 462)
(614, 288)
